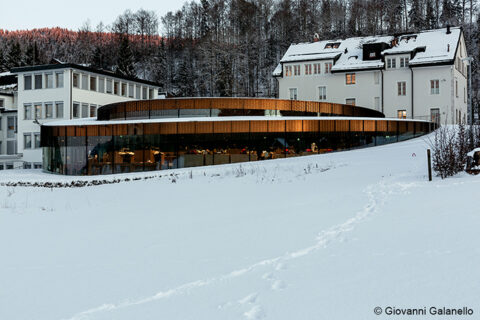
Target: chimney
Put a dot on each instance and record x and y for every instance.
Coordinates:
(316, 37)
(448, 29)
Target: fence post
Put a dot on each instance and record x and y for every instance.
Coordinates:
(429, 165)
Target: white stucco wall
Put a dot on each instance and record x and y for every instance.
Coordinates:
(366, 90)
(68, 95)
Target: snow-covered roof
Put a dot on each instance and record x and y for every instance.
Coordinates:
(472, 153)
(432, 46)
(439, 46)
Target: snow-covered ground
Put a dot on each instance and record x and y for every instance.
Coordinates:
(320, 237)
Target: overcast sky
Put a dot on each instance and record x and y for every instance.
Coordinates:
(29, 14)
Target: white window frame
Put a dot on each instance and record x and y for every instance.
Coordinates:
(391, 63)
(52, 84)
(401, 88)
(322, 93)
(57, 82)
(297, 70)
(350, 78)
(293, 91)
(349, 101)
(434, 86)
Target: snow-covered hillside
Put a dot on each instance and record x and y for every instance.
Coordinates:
(321, 237)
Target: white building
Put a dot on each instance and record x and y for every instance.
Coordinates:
(9, 157)
(64, 91)
(417, 75)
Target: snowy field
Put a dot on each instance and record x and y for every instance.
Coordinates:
(320, 237)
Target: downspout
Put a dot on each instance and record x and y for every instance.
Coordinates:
(382, 93)
(71, 99)
(413, 109)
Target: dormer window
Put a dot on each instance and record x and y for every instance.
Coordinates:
(332, 45)
(404, 62)
(391, 63)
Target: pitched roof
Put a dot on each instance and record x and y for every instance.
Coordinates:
(438, 45)
(431, 46)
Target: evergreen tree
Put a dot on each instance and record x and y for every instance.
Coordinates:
(2, 62)
(430, 20)
(415, 15)
(14, 56)
(125, 63)
(32, 56)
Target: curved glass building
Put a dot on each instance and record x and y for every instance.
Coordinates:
(178, 133)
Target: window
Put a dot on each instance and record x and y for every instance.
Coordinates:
(328, 67)
(37, 165)
(59, 79)
(332, 45)
(116, 88)
(48, 110)
(59, 109)
(76, 82)
(27, 82)
(402, 88)
(150, 93)
(11, 149)
(38, 81)
(350, 101)
(84, 82)
(391, 63)
(38, 110)
(109, 86)
(27, 110)
(293, 93)
(296, 70)
(130, 91)
(85, 110)
(404, 62)
(144, 93)
(93, 83)
(376, 77)
(350, 78)
(48, 80)
(137, 92)
(27, 165)
(377, 103)
(11, 127)
(402, 114)
(317, 68)
(76, 110)
(288, 71)
(93, 111)
(464, 95)
(308, 69)
(456, 88)
(27, 141)
(124, 89)
(36, 140)
(101, 85)
(434, 86)
(322, 93)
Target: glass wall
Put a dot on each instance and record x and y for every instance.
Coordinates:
(121, 148)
